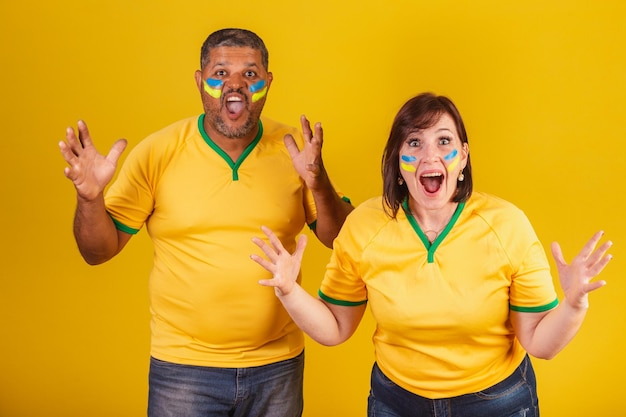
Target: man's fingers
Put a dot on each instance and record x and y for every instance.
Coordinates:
(67, 171)
(306, 128)
(116, 150)
(319, 133)
(72, 141)
(83, 134)
(77, 143)
(292, 147)
(66, 151)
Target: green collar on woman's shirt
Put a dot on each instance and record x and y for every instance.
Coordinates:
(431, 247)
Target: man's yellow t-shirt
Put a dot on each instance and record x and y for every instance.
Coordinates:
(201, 210)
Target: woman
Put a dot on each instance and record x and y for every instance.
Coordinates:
(457, 281)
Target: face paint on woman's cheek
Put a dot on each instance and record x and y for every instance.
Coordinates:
(258, 90)
(454, 158)
(213, 87)
(405, 164)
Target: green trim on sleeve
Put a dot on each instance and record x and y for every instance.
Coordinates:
(539, 309)
(340, 302)
(313, 224)
(123, 227)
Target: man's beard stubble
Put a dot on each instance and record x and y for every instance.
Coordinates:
(232, 132)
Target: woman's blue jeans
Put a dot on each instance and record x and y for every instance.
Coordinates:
(273, 390)
(516, 396)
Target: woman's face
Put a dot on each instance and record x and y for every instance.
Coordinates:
(430, 162)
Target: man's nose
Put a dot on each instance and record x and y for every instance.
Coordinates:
(235, 82)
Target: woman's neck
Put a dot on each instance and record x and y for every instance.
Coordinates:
(433, 221)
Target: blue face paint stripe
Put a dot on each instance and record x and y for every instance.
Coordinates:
(451, 155)
(257, 86)
(214, 83)
(407, 158)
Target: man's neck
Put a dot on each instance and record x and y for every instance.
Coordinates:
(232, 146)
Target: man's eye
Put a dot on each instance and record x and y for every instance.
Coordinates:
(250, 73)
(220, 73)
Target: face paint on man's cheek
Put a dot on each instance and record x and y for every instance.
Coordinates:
(454, 158)
(406, 163)
(258, 90)
(213, 87)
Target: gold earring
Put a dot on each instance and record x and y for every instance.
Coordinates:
(461, 176)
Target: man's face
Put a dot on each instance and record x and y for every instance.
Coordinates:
(233, 86)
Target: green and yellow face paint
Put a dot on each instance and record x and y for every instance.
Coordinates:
(213, 87)
(258, 90)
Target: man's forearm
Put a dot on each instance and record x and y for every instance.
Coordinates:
(94, 231)
(332, 211)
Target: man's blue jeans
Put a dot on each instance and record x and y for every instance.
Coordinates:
(273, 390)
(516, 396)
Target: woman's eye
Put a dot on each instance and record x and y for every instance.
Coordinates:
(413, 143)
(444, 141)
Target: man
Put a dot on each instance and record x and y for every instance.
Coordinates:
(221, 344)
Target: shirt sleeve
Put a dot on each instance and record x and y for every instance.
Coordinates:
(532, 289)
(343, 283)
(130, 200)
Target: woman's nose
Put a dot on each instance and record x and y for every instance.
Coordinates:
(430, 152)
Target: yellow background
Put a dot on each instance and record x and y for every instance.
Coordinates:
(541, 85)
